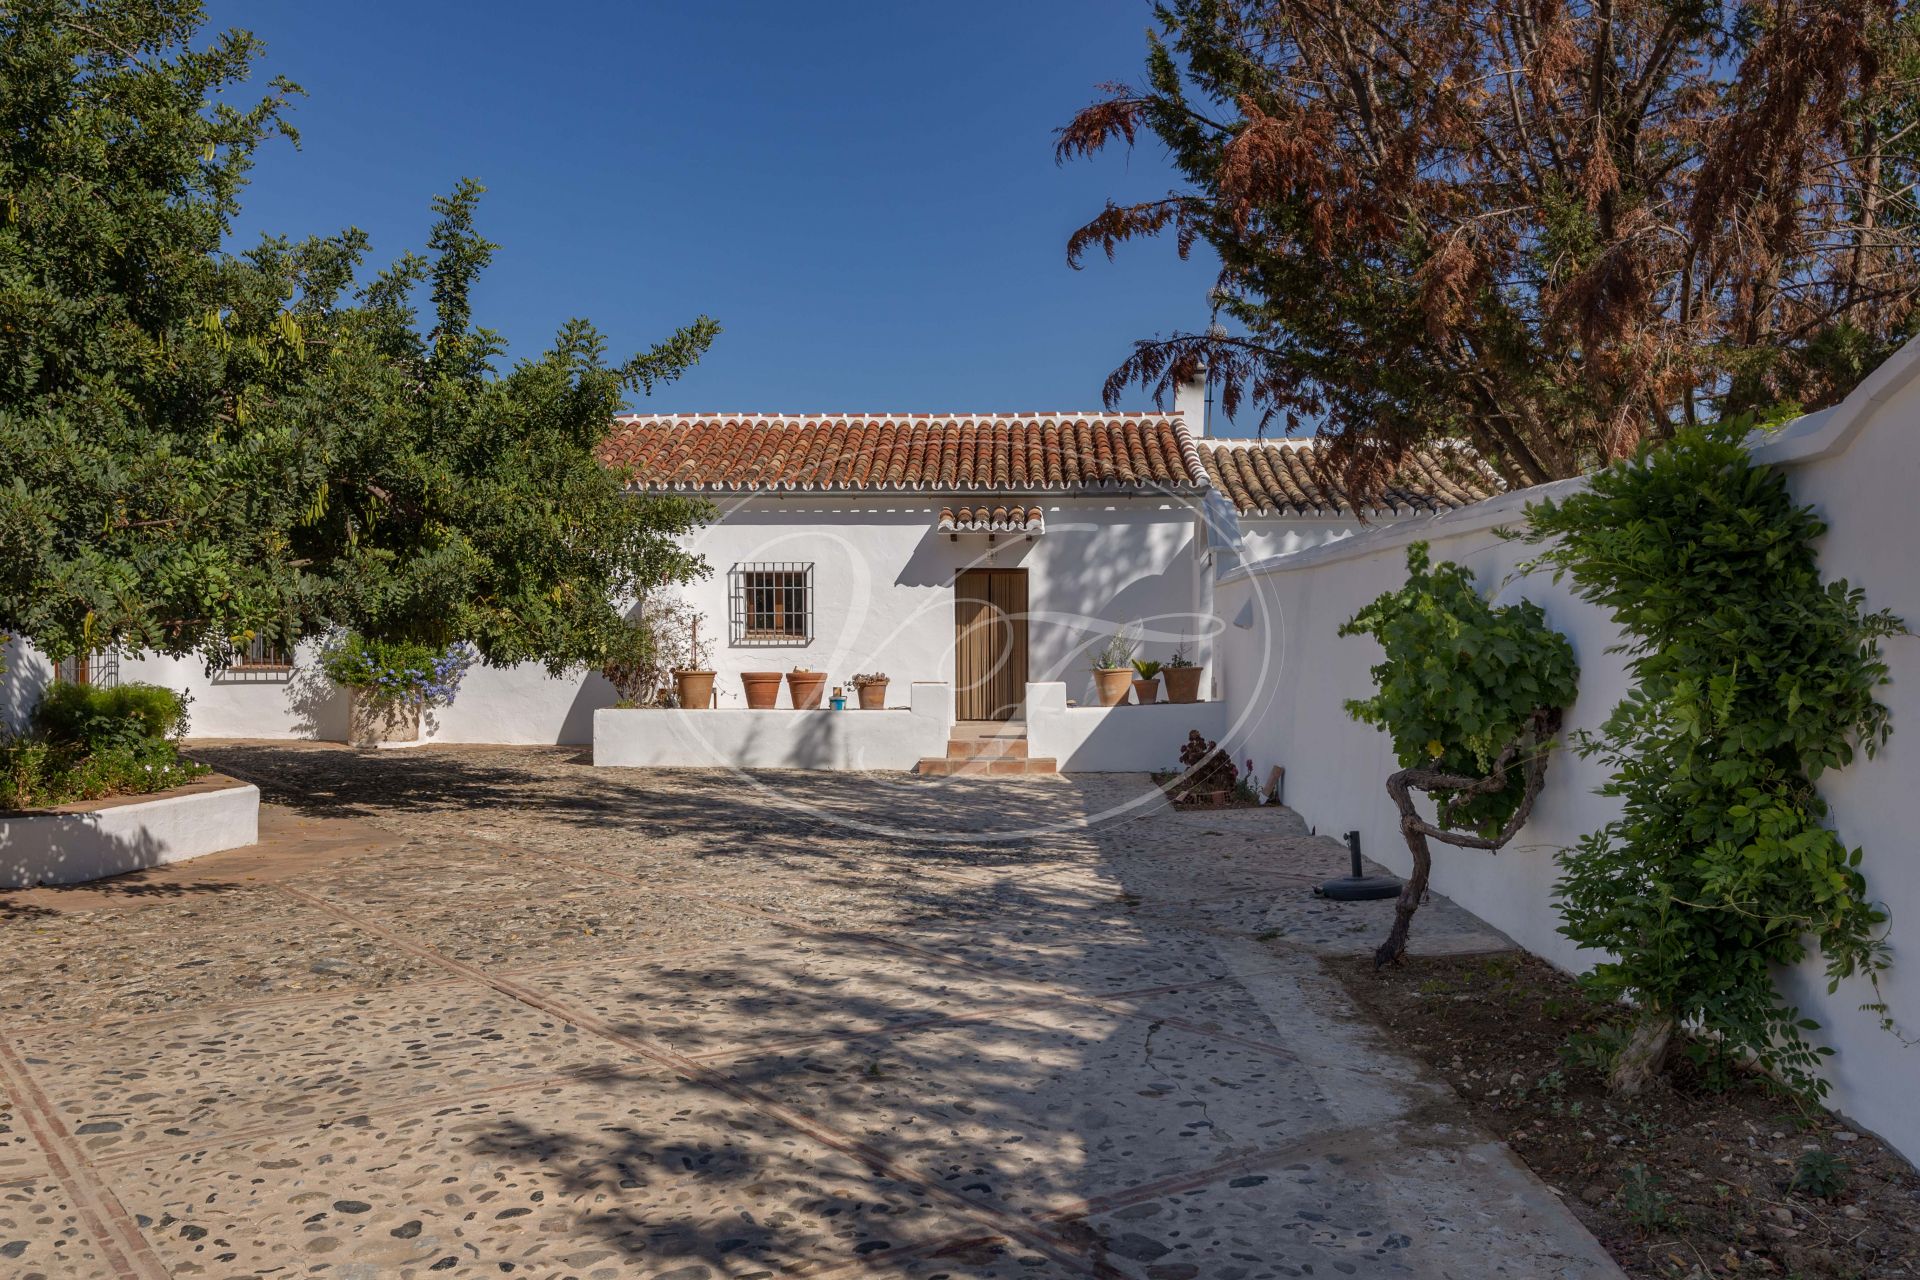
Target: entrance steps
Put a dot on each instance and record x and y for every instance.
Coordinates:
(987, 748)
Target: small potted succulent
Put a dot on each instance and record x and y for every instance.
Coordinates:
(1146, 681)
(1182, 677)
(873, 690)
(1113, 669)
(763, 689)
(804, 687)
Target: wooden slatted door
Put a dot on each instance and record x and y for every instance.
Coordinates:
(990, 643)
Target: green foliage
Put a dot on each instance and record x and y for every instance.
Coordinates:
(1751, 679)
(202, 447)
(1460, 678)
(1117, 653)
(1595, 1050)
(89, 743)
(397, 670)
(88, 716)
(1820, 1173)
(1146, 668)
(1644, 1199)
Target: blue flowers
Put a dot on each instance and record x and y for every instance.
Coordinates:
(410, 674)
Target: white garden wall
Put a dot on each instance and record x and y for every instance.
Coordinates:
(1287, 675)
(80, 842)
(735, 738)
(1122, 739)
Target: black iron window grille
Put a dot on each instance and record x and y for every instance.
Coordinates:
(261, 654)
(771, 604)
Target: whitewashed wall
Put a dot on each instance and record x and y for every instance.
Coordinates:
(1285, 678)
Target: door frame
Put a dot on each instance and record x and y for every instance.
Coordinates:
(990, 697)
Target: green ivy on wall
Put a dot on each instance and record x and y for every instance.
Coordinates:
(1751, 679)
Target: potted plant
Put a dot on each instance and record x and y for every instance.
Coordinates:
(872, 687)
(1146, 681)
(804, 686)
(391, 682)
(693, 682)
(1113, 669)
(1183, 677)
(763, 689)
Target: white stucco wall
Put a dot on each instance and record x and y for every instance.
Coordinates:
(738, 738)
(1287, 675)
(85, 842)
(1122, 739)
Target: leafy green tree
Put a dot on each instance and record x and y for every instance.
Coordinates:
(1752, 678)
(198, 447)
(1471, 694)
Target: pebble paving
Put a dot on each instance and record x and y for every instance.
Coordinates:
(484, 1012)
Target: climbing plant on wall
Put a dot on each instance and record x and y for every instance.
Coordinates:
(1752, 678)
(1471, 694)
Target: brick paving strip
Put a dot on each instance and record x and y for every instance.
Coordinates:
(579, 977)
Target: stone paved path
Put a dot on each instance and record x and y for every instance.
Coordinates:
(486, 1011)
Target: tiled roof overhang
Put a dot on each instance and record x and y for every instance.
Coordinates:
(832, 453)
(1294, 479)
(1027, 520)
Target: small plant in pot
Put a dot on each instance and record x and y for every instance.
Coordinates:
(804, 687)
(872, 687)
(1182, 677)
(658, 658)
(1113, 669)
(391, 682)
(693, 683)
(1146, 681)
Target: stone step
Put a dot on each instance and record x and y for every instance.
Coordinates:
(986, 748)
(986, 766)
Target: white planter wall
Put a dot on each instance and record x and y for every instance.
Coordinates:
(784, 739)
(1122, 739)
(1287, 675)
(81, 843)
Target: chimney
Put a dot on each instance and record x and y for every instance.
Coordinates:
(1190, 402)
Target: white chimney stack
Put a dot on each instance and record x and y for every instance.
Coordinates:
(1190, 402)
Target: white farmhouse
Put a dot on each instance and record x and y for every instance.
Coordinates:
(977, 560)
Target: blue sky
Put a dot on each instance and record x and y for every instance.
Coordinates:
(862, 193)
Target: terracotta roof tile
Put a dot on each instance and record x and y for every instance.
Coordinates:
(1023, 452)
(1293, 479)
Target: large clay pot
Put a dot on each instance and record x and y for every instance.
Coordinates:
(1112, 684)
(873, 697)
(1146, 692)
(763, 689)
(804, 689)
(1183, 683)
(372, 721)
(693, 689)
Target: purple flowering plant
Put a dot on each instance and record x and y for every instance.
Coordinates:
(405, 672)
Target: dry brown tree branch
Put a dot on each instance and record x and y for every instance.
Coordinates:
(1530, 750)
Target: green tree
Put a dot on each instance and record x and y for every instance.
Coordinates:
(199, 446)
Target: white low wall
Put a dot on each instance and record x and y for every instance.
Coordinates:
(657, 738)
(77, 843)
(1122, 739)
(1287, 672)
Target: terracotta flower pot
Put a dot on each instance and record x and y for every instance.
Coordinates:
(873, 697)
(804, 689)
(1183, 683)
(1112, 684)
(763, 689)
(1146, 692)
(372, 721)
(693, 689)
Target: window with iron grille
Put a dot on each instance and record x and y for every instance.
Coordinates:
(771, 604)
(101, 668)
(261, 654)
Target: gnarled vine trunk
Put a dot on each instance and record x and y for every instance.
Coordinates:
(1640, 1060)
(1528, 749)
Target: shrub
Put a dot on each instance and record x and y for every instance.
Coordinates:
(1751, 678)
(90, 743)
(1204, 766)
(402, 671)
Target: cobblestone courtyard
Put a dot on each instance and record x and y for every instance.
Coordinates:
(488, 1011)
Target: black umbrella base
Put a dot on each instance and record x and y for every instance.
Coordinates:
(1359, 888)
